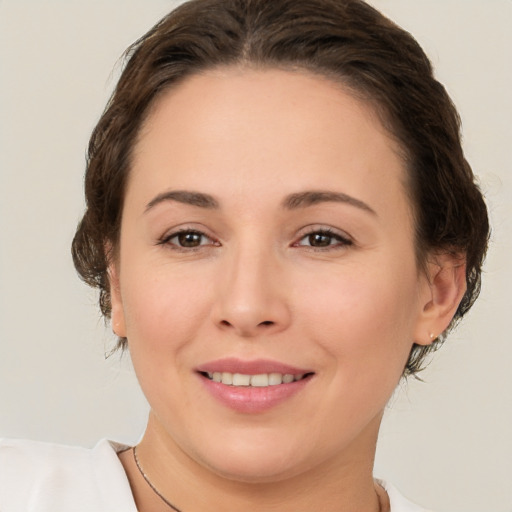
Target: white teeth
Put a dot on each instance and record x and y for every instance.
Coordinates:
(261, 380)
(239, 379)
(274, 379)
(227, 378)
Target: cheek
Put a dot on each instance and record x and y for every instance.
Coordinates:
(163, 318)
(164, 309)
(363, 317)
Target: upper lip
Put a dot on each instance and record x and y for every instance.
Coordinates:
(254, 367)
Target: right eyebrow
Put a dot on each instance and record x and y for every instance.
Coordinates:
(184, 196)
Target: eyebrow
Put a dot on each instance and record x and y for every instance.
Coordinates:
(183, 196)
(291, 202)
(313, 197)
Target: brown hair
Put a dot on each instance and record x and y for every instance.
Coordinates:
(343, 40)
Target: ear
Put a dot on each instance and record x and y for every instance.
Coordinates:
(117, 314)
(446, 285)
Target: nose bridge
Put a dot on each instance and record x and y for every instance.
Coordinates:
(252, 298)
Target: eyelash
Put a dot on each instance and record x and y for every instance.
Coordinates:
(166, 240)
(341, 241)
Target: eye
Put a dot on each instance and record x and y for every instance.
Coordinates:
(323, 239)
(187, 239)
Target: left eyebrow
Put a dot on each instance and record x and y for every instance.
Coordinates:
(313, 197)
(186, 197)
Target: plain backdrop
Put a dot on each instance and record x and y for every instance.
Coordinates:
(446, 442)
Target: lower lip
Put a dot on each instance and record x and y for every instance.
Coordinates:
(252, 400)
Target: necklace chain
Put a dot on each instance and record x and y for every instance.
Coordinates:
(155, 490)
(176, 509)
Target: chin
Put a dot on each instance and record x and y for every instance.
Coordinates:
(257, 459)
(262, 471)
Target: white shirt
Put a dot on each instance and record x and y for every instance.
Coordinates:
(45, 477)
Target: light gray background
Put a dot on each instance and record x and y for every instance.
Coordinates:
(446, 443)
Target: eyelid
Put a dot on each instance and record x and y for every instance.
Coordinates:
(344, 238)
(174, 232)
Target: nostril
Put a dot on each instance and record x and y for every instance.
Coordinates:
(245, 327)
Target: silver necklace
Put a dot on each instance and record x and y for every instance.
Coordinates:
(154, 489)
(176, 509)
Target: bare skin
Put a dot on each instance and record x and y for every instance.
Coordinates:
(150, 502)
(266, 219)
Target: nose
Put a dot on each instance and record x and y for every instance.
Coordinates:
(251, 297)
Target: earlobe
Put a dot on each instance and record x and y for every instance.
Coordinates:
(447, 285)
(117, 313)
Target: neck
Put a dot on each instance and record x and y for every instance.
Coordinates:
(341, 483)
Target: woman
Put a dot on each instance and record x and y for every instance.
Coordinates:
(281, 224)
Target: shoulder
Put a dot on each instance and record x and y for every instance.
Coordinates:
(398, 503)
(45, 476)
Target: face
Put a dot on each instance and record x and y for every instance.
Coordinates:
(267, 243)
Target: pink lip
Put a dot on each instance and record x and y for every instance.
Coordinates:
(252, 400)
(255, 367)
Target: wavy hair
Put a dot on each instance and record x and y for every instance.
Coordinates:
(343, 40)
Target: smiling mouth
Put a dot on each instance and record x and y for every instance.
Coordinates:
(261, 380)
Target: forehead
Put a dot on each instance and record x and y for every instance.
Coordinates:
(258, 130)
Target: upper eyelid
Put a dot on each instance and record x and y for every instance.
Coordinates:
(339, 241)
(169, 235)
(186, 227)
(342, 241)
(309, 230)
(303, 232)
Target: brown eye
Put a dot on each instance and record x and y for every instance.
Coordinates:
(324, 239)
(187, 239)
(190, 239)
(320, 240)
